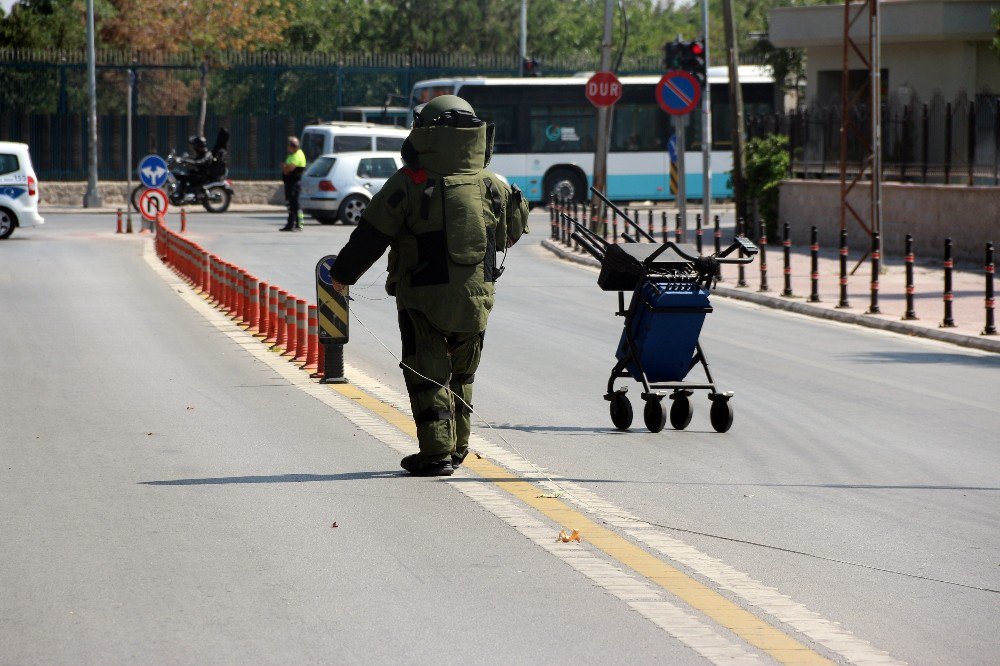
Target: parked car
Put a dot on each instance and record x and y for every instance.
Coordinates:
(340, 185)
(18, 189)
(345, 137)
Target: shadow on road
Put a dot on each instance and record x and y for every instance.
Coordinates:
(277, 478)
(926, 357)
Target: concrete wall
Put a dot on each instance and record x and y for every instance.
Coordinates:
(969, 215)
(934, 67)
(113, 193)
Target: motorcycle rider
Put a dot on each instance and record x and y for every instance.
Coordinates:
(197, 166)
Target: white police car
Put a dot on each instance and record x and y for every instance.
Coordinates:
(18, 189)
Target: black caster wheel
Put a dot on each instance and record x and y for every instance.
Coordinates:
(681, 411)
(721, 414)
(655, 414)
(621, 411)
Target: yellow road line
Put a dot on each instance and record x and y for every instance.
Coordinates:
(728, 614)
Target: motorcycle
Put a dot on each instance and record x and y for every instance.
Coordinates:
(215, 195)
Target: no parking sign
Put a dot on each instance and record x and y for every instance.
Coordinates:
(678, 93)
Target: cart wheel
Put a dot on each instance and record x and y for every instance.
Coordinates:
(681, 411)
(655, 415)
(721, 415)
(621, 411)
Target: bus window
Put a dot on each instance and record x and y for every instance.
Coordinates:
(639, 127)
(562, 129)
(498, 105)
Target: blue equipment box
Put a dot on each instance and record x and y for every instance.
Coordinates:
(665, 325)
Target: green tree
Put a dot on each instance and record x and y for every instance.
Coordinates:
(768, 161)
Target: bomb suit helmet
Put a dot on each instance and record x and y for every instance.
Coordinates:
(444, 110)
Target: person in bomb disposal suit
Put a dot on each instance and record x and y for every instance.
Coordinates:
(444, 218)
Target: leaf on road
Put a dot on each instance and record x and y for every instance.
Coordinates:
(566, 538)
(334, 524)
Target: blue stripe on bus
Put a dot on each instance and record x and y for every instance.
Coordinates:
(638, 187)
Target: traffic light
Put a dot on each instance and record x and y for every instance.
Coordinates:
(673, 53)
(686, 56)
(693, 59)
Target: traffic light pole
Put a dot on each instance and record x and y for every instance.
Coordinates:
(680, 124)
(706, 127)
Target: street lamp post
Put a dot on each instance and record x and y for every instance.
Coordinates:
(92, 199)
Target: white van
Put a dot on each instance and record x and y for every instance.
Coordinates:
(347, 137)
(18, 189)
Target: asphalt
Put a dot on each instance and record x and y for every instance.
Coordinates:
(165, 498)
(860, 476)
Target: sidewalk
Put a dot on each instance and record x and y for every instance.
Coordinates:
(968, 286)
(67, 209)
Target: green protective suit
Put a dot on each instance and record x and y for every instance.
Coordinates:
(444, 218)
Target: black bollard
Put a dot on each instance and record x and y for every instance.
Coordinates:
(649, 223)
(552, 216)
(741, 277)
(910, 313)
(576, 216)
(786, 250)
(678, 234)
(844, 303)
(604, 221)
(697, 231)
(991, 327)
(876, 260)
(763, 257)
(718, 236)
(814, 266)
(614, 226)
(663, 226)
(949, 297)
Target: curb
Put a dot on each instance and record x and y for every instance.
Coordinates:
(54, 209)
(778, 303)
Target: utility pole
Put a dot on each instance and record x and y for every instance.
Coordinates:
(128, 151)
(524, 35)
(92, 198)
(603, 112)
(706, 128)
(736, 110)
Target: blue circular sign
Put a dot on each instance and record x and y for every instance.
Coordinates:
(153, 171)
(678, 93)
(323, 269)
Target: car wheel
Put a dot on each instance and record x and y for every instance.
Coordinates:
(352, 208)
(7, 223)
(565, 184)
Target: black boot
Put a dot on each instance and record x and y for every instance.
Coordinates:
(417, 467)
(458, 458)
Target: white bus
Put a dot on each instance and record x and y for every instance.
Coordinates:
(545, 130)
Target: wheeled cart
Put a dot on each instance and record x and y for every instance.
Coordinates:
(670, 284)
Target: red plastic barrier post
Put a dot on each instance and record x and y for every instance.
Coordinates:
(301, 330)
(253, 303)
(184, 221)
(119, 230)
(272, 315)
(291, 336)
(281, 339)
(320, 361)
(313, 337)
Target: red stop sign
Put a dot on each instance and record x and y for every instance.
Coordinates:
(604, 89)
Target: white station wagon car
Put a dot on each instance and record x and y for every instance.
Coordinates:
(340, 185)
(18, 189)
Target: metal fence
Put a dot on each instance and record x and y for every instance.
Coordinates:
(954, 143)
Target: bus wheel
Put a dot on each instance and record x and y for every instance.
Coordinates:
(565, 184)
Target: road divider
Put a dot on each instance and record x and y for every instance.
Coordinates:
(285, 323)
